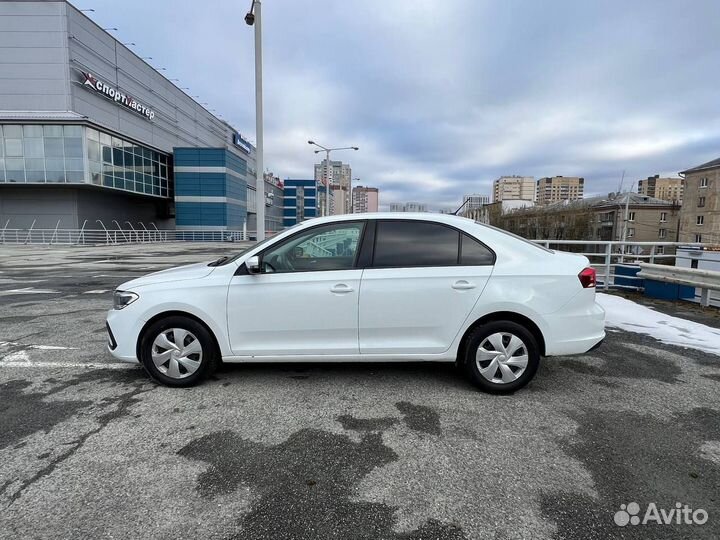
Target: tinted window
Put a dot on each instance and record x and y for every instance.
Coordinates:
(333, 247)
(473, 253)
(415, 243)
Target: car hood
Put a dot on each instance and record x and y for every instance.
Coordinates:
(179, 273)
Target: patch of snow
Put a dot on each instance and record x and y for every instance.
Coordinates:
(632, 317)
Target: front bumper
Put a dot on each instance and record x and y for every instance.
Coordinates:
(123, 329)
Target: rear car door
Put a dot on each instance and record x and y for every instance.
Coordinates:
(423, 281)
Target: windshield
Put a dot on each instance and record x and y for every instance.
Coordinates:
(222, 261)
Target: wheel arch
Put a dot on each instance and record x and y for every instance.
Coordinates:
(512, 316)
(177, 313)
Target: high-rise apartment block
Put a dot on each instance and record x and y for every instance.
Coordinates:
(667, 189)
(408, 207)
(559, 188)
(365, 199)
(337, 174)
(513, 187)
(474, 201)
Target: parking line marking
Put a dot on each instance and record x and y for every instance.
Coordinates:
(93, 365)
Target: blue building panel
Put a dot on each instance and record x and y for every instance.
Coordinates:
(210, 198)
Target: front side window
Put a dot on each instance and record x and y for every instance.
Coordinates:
(415, 243)
(332, 247)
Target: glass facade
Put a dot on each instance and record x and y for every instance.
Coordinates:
(55, 154)
(117, 163)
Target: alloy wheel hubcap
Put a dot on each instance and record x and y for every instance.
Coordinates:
(176, 353)
(502, 358)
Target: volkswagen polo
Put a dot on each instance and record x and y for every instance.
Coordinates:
(369, 287)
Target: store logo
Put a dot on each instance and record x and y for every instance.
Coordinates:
(239, 141)
(682, 514)
(116, 95)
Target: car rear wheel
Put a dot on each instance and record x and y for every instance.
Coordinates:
(501, 357)
(178, 351)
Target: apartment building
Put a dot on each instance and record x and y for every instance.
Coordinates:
(667, 189)
(408, 207)
(552, 189)
(514, 188)
(365, 199)
(700, 212)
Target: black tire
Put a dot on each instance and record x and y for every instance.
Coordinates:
(473, 370)
(208, 359)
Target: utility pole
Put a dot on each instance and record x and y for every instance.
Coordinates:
(625, 226)
(255, 19)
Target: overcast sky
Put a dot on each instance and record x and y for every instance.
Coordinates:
(444, 96)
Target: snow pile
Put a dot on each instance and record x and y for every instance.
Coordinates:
(627, 315)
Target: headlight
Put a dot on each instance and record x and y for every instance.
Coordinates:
(122, 299)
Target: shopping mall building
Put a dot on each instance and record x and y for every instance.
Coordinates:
(90, 132)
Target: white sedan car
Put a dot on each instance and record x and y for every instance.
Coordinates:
(365, 288)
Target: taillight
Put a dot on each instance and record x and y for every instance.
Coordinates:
(587, 278)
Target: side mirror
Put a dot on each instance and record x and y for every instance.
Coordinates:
(253, 264)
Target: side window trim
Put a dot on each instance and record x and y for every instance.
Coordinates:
(363, 229)
(376, 222)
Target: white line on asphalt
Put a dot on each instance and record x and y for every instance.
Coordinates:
(94, 365)
(27, 290)
(98, 291)
(38, 347)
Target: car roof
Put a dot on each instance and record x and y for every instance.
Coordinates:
(425, 216)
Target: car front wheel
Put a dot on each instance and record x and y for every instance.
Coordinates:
(178, 351)
(501, 357)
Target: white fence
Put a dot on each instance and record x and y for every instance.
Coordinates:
(608, 257)
(117, 236)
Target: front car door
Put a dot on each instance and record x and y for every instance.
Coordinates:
(424, 281)
(305, 300)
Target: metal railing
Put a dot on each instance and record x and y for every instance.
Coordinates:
(609, 256)
(105, 236)
(705, 280)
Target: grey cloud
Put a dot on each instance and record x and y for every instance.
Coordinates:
(445, 96)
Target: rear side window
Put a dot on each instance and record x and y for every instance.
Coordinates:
(415, 243)
(473, 253)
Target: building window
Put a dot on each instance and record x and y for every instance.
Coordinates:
(54, 154)
(663, 217)
(704, 182)
(122, 164)
(698, 238)
(660, 250)
(630, 232)
(701, 201)
(662, 233)
(700, 220)
(631, 216)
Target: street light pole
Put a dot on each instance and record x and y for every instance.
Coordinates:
(327, 169)
(255, 19)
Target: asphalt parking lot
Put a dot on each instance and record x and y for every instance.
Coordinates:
(90, 448)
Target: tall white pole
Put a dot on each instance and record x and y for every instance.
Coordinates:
(327, 182)
(259, 179)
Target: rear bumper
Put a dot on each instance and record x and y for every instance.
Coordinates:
(575, 331)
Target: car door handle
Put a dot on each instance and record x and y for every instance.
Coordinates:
(463, 285)
(341, 288)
